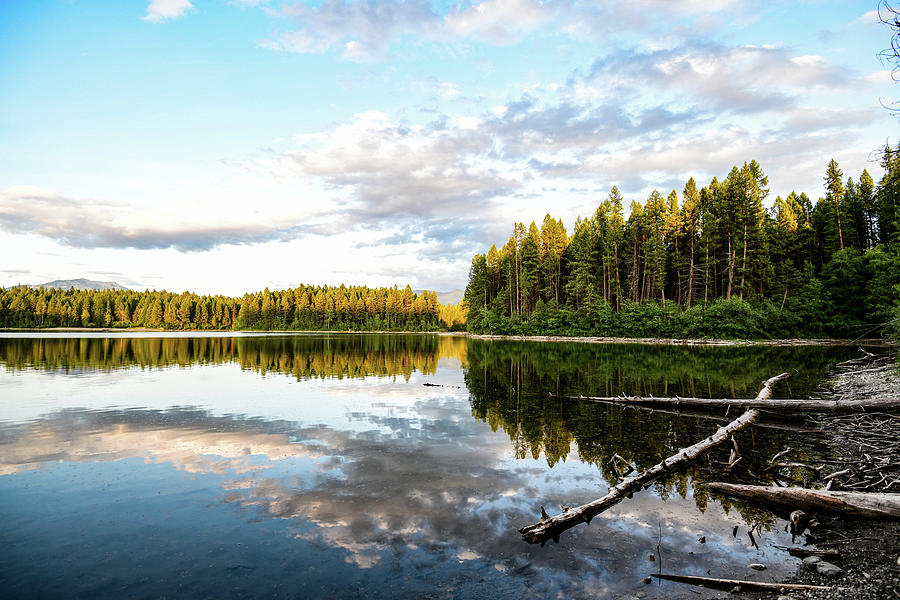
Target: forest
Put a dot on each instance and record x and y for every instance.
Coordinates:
(313, 308)
(708, 262)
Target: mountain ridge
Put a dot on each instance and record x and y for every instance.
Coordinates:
(80, 284)
(446, 298)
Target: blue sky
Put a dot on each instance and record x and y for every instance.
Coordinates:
(226, 146)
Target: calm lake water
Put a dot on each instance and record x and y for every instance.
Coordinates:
(376, 466)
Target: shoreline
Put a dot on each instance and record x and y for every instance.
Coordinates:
(869, 553)
(870, 342)
(879, 342)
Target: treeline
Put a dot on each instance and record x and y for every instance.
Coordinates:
(710, 262)
(302, 357)
(343, 308)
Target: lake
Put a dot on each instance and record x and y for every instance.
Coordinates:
(149, 465)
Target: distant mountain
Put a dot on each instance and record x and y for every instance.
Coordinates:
(452, 297)
(80, 284)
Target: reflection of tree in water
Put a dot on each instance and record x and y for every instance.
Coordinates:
(522, 388)
(303, 357)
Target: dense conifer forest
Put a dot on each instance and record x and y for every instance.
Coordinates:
(302, 308)
(711, 261)
(708, 262)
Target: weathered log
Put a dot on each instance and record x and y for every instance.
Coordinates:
(809, 404)
(857, 504)
(729, 584)
(550, 527)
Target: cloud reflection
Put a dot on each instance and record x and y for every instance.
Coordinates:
(425, 496)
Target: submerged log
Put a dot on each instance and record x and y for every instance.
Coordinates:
(856, 504)
(780, 421)
(801, 552)
(729, 584)
(799, 404)
(550, 527)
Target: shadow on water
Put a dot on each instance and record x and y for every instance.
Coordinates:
(360, 481)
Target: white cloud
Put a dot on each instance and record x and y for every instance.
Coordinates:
(448, 91)
(91, 223)
(721, 78)
(499, 21)
(882, 76)
(159, 11)
(870, 18)
(388, 170)
(363, 31)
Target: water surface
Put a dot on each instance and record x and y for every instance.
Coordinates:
(323, 465)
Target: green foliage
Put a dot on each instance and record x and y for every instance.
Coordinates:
(303, 308)
(717, 264)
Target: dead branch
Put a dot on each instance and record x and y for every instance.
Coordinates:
(796, 404)
(729, 584)
(857, 504)
(551, 527)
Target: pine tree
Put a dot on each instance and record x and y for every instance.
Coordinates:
(690, 215)
(835, 193)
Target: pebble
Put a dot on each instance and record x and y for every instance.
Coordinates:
(702, 540)
(757, 567)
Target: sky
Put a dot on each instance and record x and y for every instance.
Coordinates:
(225, 146)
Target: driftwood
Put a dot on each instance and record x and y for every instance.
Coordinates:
(551, 527)
(871, 459)
(799, 404)
(729, 584)
(856, 504)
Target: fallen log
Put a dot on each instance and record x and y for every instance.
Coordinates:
(856, 504)
(769, 420)
(799, 404)
(550, 527)
(746, 586)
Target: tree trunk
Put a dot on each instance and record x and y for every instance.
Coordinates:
(837, 209)
(743, 264)
(731, 257)
(634, 273)
(605, 277)
(706, 278)
(518, 297)
(856, 504)
(727, 585)
(690, 294)
(616, 267)
(808, 404)
(551, 527)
